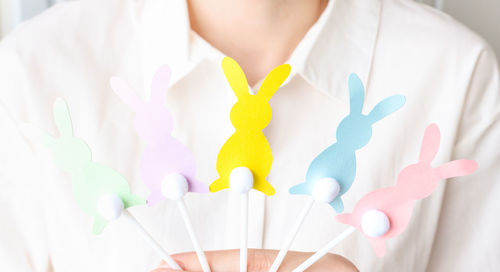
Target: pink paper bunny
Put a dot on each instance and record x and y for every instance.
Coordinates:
(393, 205)
(153, 122)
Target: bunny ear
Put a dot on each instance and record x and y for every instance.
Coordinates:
(235, 76)
(356, 94)
(456, 168)
(161, 80)
(128, 96)
(430, 144)
(273, 81)
(386, 107)
(62, 117)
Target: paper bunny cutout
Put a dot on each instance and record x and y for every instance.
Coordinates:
(248, 147)
(90, 179)
(338, 161)
(415, 181)
(153, 122)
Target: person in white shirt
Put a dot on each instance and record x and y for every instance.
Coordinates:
(448, 74)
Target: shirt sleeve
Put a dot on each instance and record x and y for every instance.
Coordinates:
(23, 236)
(468, 236)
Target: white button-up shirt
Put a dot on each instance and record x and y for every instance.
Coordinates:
(448, 75)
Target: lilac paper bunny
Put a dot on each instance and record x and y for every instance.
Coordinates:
(164, 155)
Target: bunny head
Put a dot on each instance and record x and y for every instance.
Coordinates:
(252, 112)
(355, 130)
(69, 153)
(419, 180)
(152, 120)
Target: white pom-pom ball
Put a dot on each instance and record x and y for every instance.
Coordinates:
(325, 190)
(110, 206)
(375, 223)
(241, 180)
(174, 186)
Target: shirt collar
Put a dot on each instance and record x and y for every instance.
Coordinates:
(164, 32)
(345, 45)
(341, 42)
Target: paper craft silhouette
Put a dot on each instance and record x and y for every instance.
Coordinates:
(90, 179)
(338, 161)
(248, 147)
(416, 181)
(163, 154)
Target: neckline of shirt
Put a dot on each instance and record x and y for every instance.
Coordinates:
(342, 41)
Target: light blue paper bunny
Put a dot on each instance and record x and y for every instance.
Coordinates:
(338, 161)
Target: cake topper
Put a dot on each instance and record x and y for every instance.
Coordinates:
(332, 172)
(385, 213)
(100, 191)
(245, 160)
(167, 167)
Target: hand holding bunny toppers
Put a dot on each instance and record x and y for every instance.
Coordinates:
(245, 160)
(332, 172)
(385, 213)
(167, 166)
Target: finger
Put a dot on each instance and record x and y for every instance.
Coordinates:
(328, 263)
(258, 260)
(220, 260)
(165, 270)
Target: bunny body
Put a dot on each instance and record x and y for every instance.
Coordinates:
(338, 161)
(414, 182)
(174, 158)
(90, 180)
(163, 154)
(236, 153)
(248, 147)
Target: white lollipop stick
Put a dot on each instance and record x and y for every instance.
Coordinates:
(244, 233)
(175, 187)
(323, 251)
(291, 235)
(325, 190)
(189, 226)
(152, 242)
(111, 207)
(241, 181)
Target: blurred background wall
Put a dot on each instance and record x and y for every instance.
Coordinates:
(482, 16)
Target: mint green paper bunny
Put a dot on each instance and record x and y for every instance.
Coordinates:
(90, 179)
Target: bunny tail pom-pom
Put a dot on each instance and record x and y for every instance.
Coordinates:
(241, 180)
(375, 223)
(174, 186)
(110, 207)
(325, 190)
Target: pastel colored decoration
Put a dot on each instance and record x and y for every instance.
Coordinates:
(91, 180)
(248, 147)
(414, 182)
(338, 161)
(163, 154)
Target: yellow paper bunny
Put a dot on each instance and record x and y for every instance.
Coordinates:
(248, 147)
